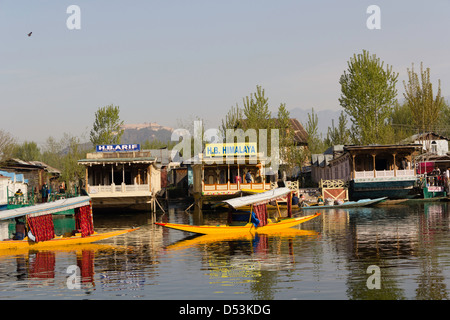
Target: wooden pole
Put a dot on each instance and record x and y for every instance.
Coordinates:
(278, 208)
(374, 170)
(354, 167)
(395, 167)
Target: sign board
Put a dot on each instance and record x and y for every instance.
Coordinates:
(118, 147)
(230, 149)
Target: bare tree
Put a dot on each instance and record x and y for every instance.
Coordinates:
(7, 143)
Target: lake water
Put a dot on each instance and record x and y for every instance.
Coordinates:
(386, 252)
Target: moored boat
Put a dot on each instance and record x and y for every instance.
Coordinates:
(257, 221)
(37, 231)
(348, 204)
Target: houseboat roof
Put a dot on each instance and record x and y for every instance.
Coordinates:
(425, 136)
(257, 198)
(377, 147)
(145, 160)
(46, 208)
(97, 158)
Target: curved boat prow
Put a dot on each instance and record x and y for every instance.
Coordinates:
(249, 227)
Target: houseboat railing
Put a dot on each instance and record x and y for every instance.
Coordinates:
(234, 187)
(118, 188)
(31, 198)
(384, 173)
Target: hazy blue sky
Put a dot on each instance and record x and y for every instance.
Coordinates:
(165, 61)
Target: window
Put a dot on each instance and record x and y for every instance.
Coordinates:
(433, 147)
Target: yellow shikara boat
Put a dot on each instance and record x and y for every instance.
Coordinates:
(60, 241)
(46, 210)
(269, 225)
(249, 227)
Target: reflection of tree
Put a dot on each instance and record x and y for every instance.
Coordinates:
(256, 260)
(431, 282)
(375, 243)
(357, 282)
(264, 288)
(378, 241)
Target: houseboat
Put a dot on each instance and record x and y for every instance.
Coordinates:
(224, 170)
(121, 177)
(372, 171)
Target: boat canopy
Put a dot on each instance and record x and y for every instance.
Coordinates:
(258, 198)
(46, 208)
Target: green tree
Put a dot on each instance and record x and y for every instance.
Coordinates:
(256, 110)
(340, 134)
(315, 141)
(444, 120)
(27, 151)
(233, 119)
(291, 155)
(401, 122)
(255, 115)
(71, 171)
(52, 153)
(107, 126)
(64, 155)
(424, 106)
(367, 95)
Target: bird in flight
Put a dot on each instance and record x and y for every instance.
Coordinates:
(30, 34)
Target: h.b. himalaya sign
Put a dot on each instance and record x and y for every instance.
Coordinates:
(118, 147)
(230, 149)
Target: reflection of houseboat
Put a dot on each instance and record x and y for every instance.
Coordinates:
(373, 171)
(219, 176)
(121, 179)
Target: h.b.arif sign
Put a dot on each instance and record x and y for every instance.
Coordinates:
(118, 147)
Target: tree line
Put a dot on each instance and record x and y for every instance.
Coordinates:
(371, 114)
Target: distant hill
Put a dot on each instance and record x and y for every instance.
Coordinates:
(139, 133)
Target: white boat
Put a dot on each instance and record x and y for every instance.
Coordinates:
(348, 204)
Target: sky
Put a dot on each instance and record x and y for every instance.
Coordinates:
(171, 61)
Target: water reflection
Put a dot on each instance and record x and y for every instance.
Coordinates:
(409, 244)
(31, 265)
(252, 259)
(325, 258)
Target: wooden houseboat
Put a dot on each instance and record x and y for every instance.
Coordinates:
(223, 175)
(121, 177)
(373, 171)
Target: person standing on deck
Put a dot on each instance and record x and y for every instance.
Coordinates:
(248, 177)
(44, 192)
